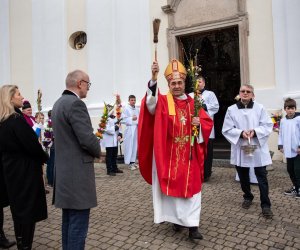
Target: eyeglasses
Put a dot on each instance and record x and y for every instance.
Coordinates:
(246, 91)
(88, 83)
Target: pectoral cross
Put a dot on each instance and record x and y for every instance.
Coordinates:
(183, 120)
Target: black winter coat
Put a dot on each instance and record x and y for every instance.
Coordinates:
(22, 158)
(3, 192)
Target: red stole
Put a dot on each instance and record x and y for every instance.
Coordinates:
(29, 120)
(180, 167)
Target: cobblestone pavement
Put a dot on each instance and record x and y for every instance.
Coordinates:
(124, 216)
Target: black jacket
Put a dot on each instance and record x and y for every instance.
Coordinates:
(22, 158)
(3, 192)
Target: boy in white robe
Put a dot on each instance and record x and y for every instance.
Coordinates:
(247, 125)
(111, 137)
(130, 116)
(289, 144)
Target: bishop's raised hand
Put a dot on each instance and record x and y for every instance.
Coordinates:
(155, 70)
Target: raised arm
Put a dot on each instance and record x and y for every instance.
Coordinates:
(152, 89)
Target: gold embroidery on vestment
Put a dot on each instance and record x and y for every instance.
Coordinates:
(170, 163)
(189, 167)
(181, 140)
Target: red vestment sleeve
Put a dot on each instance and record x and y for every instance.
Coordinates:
(145, 141)
(206, 126)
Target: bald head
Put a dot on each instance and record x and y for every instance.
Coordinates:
(78, 81)
(73, 77)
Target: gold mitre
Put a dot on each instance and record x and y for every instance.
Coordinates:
(175, 70)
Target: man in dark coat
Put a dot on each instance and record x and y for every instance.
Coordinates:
(76, 146)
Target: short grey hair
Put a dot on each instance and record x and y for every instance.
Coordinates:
(248, 86)
(73, 77)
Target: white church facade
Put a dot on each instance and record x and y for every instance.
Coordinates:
(239, 41)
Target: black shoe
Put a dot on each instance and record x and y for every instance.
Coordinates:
(194, 234)
(246, 204)
(206, 179)
(4, 242)
(291, 192)
(177, 228)
(267, 213)
(111, 174)
(118, 171)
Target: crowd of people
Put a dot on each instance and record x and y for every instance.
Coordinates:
(174, 147)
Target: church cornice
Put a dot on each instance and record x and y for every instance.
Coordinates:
(234, 18)
(171, 7)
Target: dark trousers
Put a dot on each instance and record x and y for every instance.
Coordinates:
(75, 225)
(111, 159)
(293, 168)
(208, 160)
(261, 175)
(50, 166)
(24, 235)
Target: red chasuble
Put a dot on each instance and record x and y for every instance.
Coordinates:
(180, 166)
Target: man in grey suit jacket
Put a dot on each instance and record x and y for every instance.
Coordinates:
(76, 146)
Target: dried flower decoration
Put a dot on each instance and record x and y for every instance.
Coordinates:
(48, 135)
(276, 118)
(118, 107)
(193, 71)
(39, 100)
(102, 125)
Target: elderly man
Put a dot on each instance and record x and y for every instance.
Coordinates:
(76, 146)
(247, 127)
(167, 158)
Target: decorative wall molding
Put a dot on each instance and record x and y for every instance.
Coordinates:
(171, 7)
(240, 18)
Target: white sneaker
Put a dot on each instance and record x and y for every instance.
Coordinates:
(136, 165)
(132, 167)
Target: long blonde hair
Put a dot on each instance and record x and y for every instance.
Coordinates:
(6, 106)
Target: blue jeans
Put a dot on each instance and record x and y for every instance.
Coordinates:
(75, 225)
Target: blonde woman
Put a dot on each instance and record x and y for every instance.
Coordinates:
(22, 157)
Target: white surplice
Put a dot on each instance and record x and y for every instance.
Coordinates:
(289, 136)
(130, 133)
(252, 176)
(212, 106)
(181, 211)
(110, 136)
(236, 120)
